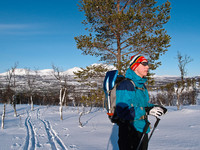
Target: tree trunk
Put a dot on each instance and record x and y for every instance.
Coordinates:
(15, 111)
(81, 114)
(60, 109)
(61, 112)
(119, 67)
(3, 116)
(62, 98)
(14, 105)
(178, 102)
(80, 123)
(32, 107)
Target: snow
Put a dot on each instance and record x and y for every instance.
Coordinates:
(72, 70)
(45, 72)
(21, 71)
(165, 76)
(43, 129)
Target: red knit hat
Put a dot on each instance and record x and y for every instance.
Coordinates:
(134, 59)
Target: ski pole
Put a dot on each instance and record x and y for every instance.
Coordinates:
(109, 102)
(143, 134)
(155, 125)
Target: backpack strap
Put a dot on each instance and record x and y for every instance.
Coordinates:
(143, 88)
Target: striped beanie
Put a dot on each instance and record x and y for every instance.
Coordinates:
(134, 59)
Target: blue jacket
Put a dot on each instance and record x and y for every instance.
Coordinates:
(131, 102)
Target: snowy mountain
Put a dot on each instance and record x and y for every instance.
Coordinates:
(71, 71)
(17, 72)
(46, 72)
(45, 77)
(22, 72)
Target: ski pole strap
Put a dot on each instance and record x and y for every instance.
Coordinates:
(146, 126)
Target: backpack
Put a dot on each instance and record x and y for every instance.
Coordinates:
(111, 81)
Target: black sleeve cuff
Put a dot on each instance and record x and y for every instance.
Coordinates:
(147, 109)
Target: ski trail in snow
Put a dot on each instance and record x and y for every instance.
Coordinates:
(27, 135)
(54, 140)
(30, 142)
(53, 146)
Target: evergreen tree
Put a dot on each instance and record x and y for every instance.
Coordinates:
(120, 28)
(91, 78)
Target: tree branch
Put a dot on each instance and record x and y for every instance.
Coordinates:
(99, 45)
(125, 6)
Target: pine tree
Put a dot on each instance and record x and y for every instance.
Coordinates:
(91, 78)
(120, 28)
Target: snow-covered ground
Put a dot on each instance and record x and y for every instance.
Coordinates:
(43, 129)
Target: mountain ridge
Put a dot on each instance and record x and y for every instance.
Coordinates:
(23, 71)
(46, 72)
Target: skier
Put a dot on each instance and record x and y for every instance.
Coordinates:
(132, 106)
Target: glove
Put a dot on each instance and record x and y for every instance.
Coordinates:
(156, 111)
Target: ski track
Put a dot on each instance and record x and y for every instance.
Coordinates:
(30, 137)
(31, 140)
(54, 140)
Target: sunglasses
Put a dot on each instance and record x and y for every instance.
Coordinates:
(143, 63)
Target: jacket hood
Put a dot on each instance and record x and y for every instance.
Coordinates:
(136, 79)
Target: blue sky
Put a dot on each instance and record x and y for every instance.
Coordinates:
(39, 33)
